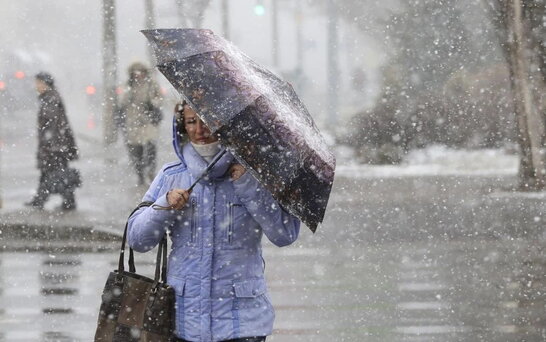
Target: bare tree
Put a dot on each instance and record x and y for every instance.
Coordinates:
(514, 33)
(149, 22)
(192, 12)
(333, 63)
(182, 15)
(109, 70)
(535, 11)
(225, 19)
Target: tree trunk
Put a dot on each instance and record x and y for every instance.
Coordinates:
(530, 126)
(150, 24)
(109, 71)
(275, 33)
(182, 16)
(225, 19)
(333, 67)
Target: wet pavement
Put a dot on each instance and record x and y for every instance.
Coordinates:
(458, 291)
(482, 291)
(399, 258)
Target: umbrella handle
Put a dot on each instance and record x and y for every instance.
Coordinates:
(209, 167)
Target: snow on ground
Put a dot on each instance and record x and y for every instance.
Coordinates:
(432, 161)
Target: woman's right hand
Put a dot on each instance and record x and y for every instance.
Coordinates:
(177, 198)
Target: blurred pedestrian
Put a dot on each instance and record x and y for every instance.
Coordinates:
(56, 147)
(216, 265)
(141, 114)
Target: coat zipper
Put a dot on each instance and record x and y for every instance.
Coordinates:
(193, 220)
(230, 217)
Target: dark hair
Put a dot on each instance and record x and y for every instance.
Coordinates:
(46, 78)
(179, 115)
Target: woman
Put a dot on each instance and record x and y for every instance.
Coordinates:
(216, 264)
(139, 108)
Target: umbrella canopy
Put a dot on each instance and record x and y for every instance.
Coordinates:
(257, 116)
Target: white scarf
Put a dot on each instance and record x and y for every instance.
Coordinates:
(207, 151)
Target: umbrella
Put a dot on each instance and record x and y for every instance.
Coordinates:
(257, 116)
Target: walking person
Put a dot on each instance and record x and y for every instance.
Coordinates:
(215, 265)
(141, 114)
(56, 148)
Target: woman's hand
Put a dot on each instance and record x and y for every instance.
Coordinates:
(177, 198)
(236, 171)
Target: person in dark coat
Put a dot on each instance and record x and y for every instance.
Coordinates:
(56, 147)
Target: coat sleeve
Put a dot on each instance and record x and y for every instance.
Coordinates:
(279, 226)
(147, 225)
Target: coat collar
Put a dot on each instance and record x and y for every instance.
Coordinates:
(48, 94)
(196, 165)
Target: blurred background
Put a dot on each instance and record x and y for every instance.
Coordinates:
(292, 38)
(435, 112)
(384, 77)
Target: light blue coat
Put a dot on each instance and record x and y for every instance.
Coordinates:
(215, 264)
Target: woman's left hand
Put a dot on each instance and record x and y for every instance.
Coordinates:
(236, 171)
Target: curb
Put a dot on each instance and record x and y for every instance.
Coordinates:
(46, 230)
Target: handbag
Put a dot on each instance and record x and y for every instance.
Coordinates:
(61, 181)
(134, 307)
(154, 113)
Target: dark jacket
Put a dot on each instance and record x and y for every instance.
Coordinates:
(56, 144)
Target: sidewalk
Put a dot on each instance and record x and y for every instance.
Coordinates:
(107, 196)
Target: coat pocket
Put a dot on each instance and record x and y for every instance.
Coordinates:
(250, 288)
(185, 231)
(179, 285)
(233, 210)
(240, 227)
(252, 308)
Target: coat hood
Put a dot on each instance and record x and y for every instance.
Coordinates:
(193, 161)
(178, 138)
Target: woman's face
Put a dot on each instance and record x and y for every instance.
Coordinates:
(198, 133)
(41, 86)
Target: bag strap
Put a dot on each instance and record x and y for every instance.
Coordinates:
(121, 263)
(161, 259)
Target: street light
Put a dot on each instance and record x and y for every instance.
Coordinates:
(259, 8)
(90, 90)
(20, 75)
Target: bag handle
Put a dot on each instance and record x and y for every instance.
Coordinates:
(161, 259)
